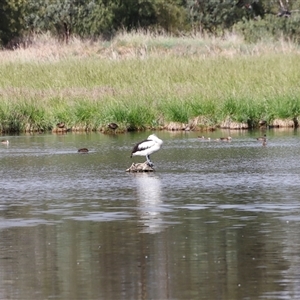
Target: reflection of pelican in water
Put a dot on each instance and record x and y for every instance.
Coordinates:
(149, 202)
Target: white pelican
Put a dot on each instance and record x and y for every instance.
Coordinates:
(147, 147)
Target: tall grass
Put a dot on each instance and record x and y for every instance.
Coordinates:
(142, 81)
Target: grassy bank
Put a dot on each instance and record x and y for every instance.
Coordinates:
(141, 81)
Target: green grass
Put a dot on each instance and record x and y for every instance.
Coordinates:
(137, 93)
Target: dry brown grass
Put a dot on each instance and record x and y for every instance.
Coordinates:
(44, 48)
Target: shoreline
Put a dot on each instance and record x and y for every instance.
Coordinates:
(141, 81)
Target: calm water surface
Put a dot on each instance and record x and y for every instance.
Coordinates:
(217, 220)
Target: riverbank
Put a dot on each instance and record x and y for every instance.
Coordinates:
(142, 81)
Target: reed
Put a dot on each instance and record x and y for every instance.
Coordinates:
(141, 81)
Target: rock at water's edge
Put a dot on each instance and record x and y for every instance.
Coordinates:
(140, 167)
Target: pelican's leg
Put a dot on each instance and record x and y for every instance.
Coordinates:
(150, 164)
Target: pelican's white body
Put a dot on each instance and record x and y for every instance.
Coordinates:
(149, 146)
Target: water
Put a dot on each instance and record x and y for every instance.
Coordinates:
(217, 220)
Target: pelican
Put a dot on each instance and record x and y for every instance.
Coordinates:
(83, 150)
(147, 147)
(5, 142)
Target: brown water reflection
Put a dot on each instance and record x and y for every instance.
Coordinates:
(215, 221)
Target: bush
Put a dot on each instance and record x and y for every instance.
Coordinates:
(270, 27)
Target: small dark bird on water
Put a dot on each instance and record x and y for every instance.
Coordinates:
(83, 150)
(60, 125)
(262, 138)
(113, 126)
(203, 138)
(228, 139)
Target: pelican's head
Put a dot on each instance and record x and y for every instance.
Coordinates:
(154, 138)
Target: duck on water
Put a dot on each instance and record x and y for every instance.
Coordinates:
(83, 150)
(224, 139)
(262, 138)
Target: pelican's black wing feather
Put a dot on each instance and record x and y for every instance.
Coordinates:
(142, 146)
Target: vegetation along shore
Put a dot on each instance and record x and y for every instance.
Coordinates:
(141, 80)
